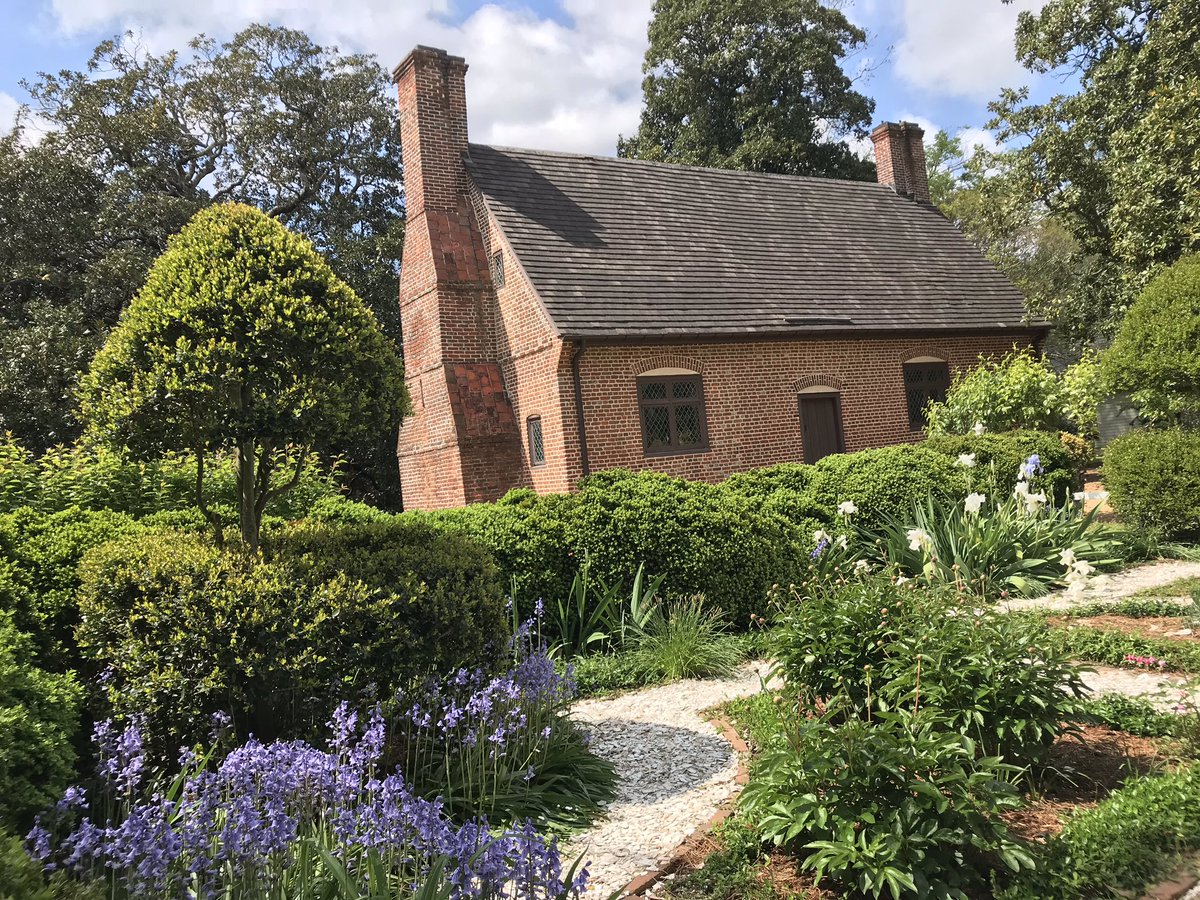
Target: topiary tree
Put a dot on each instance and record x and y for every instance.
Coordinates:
(242, 340)
(1155, 357)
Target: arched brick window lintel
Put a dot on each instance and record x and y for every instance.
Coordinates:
(814, 381)
(670, 361)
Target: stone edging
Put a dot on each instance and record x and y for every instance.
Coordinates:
(673, 863)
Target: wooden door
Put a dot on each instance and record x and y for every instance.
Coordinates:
(820, 425)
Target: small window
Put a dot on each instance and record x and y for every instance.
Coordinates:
(672, 412)
(924, 381)
(498, 268)
(537, 449)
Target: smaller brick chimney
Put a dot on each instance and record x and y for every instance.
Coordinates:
(900, 159)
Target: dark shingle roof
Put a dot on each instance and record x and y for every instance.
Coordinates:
(620, 247)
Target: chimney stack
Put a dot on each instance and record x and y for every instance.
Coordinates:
(900, 159)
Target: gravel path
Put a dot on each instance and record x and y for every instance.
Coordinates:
(673, 771)
(1112, 588)
(1162, 690)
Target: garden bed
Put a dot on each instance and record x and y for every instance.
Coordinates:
(1168, 627)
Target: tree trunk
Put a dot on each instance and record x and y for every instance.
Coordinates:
(246, 488)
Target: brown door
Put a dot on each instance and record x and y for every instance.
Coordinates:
(820, 426)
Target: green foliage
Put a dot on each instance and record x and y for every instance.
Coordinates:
(39, 579)
(528, 541)
(998, 458)
(1083, 390)
(885, 482)
(700, 538)
(1133, 715)
(1153, 481)
(751, 85)
(683, 639)
(97, 479)
(1130, 840)
(139, 144)
(897, 804)
(333, 613)
(1083, 156)
(1110, 647)
(239, 300)
(1005, 548)
(1155, 356)
(786, 490)
(997, 678)
(39, 715)
(599, 674)
(1015, 391)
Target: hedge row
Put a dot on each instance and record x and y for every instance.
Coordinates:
(729, 541)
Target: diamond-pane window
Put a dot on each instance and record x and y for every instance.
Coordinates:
(924, 381)
(537, 449)
(672, 413)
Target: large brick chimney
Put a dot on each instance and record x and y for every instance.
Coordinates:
(461, 442)
(900, 159)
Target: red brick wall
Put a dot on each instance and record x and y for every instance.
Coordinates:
(751, 395)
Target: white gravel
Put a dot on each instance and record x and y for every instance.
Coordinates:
(1113, 588)
(1162, 690)
(673, 768)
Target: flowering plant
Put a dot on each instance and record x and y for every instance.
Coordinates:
(1022, 544)
(502, 746)
(286, 819)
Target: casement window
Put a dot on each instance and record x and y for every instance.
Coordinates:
(537, 449)
(924, 380)
(498, 268)
(672, 413)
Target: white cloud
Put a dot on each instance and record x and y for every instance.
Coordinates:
(533, 81)
(8, 112)
(961, 47)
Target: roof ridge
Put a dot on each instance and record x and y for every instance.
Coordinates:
(681, 166)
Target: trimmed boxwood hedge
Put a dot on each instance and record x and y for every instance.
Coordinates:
(1153, 481)
(331, 612)
(885, 482)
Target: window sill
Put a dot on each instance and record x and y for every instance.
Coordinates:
(659, 454)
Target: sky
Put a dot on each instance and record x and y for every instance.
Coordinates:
(549, 74)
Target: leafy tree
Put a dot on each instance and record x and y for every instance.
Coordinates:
(752, 84)
(1155, 356)
(1086, 157)
(242, 339)
(1017, 390)
(1026, 241)
(140, 144)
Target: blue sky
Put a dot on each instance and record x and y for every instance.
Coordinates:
(553, 74)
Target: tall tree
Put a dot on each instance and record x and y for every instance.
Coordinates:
(1025, 240)
(1117, 162)
(752, 84)
(269, 118)
(242, 341)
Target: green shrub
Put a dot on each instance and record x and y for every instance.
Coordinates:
(606, 673)
(1083, 390)
(1017, 390)
(786, 490)
(1153, 481)
(901, 803)
(683, 639)
(333, 613)
(1133, 715)
(999, 679)
(1155, 355)
(701, 538)
(1129, 841)
(887, 481)
(39, 715)
(999, 457)
(98, 479)
(43, 554)
(528, 541)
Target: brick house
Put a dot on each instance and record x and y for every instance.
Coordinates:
(564, 314)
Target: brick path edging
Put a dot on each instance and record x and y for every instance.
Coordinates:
(672, 864)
